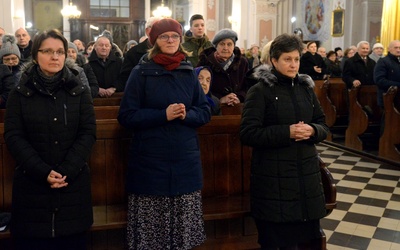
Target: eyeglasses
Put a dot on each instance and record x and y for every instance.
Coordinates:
(165, 38)
(51, 52)
(14, 58)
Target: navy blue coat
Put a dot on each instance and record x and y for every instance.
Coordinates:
(386, 74)
(164, 156)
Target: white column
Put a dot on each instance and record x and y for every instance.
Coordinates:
(364, 23)
(66, 26)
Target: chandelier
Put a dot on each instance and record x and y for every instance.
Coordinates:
(70, 11)
(162, 11)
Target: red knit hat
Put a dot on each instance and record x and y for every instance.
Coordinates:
(162, 26)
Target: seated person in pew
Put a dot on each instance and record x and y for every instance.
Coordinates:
(282, 121)
(164, 104)
(359, 69)
(49, 129)
(204, 74)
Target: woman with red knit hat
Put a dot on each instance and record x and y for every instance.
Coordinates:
(163, 105)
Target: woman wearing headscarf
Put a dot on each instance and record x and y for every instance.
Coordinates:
(228, 66)
(282, 121)
(164, 104)
(204, 74)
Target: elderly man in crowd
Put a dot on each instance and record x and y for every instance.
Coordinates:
(24, 44)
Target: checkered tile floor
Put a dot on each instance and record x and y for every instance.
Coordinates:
(368, 194)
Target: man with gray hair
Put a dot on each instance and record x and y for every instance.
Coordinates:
(359, 69)
(24, 44)
(132, 57)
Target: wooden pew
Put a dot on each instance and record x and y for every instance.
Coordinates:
(389, 141)
(359, 119)
(337, 93)
(226, 174)
(114, 100)
(321, 91)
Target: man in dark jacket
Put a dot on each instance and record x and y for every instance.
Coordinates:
(359, 69)
(387, 70)
(24, 44)
(133, 56)
(106, 67)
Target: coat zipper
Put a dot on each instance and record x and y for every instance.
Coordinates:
(53, 231)
(65, 115)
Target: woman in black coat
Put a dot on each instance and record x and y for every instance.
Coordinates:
(49, 129)
(282, 120)
(312, 63)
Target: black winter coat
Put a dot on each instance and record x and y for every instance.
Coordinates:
(285, 182)
(45, 132)
(107, 74)
(386, 74)
(355, 69)
(6, 84)
(307, 63)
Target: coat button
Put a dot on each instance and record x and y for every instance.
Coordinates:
(55, 142)
(55, 119)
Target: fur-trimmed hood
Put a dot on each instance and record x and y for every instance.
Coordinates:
(264, 74)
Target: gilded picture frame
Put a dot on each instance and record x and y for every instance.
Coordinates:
(338, 22)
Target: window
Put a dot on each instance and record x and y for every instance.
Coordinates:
(109, 8)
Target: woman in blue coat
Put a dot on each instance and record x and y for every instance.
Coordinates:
(282, 120)
(163, 105)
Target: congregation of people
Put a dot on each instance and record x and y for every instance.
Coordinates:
(172, 82)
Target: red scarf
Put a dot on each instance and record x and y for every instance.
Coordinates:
(169, 62)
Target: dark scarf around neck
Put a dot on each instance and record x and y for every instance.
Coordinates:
(51, 83)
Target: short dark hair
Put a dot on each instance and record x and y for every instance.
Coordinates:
(195, 17)
(331, 52)
(285, 43)
(38, 40)
(337, 49)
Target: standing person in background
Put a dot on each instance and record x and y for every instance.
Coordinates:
(282, 120)
(24, 44)
(312, 63)
(229, 67)
(198, 40)
(339, 53)
(333, 65)
(133, 56)
(253, 56)
(79, 45)
(106, 67)
(10, 56)
(377, 52)
(348, 53)
(163, 105)
(359, 69)
(322, 52)
(387, 70)
(129, 45)
(49, 129)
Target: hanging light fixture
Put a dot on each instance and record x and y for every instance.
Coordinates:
(70, 11)
(162, 11)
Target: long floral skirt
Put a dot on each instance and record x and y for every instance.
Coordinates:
(161, 222)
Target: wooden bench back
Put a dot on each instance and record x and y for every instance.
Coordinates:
(114, 100)
(363, 112)
(390, 139)
(337, 93)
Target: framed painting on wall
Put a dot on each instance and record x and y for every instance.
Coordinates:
(338, 22)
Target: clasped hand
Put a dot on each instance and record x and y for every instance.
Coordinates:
(301, 131)
(231, 99)
(176, 110)
(56, 180)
